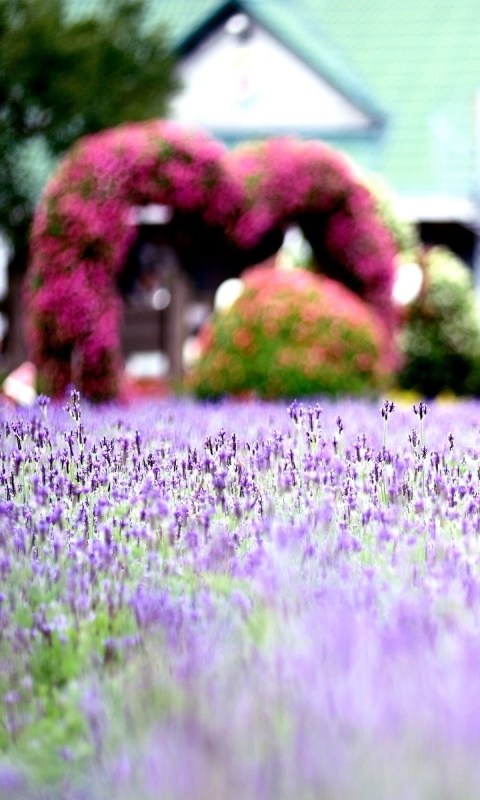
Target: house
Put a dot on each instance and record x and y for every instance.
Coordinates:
(396, 86)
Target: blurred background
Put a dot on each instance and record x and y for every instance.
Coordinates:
(392, 86)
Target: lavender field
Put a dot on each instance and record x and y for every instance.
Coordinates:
(240, 601)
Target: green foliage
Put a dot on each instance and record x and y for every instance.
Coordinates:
(441, 338)
(403, 231)
(56, 738)
(61, 78)
(291, 334)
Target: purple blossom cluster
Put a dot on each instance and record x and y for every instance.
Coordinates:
(239, 600)
(82, 232)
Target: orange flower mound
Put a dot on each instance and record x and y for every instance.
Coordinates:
(292, 333)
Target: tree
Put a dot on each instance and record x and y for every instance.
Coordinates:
(63, 76)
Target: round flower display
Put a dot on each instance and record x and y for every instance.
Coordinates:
(291, 333)
(82, 232)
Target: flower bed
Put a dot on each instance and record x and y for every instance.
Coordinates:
(239, 600)
(292, 333)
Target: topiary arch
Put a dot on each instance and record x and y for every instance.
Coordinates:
(82, 231)
(288, 180)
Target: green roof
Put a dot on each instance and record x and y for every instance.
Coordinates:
(422, 60)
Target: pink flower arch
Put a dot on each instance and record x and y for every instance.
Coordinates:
(82, 232)
(288, 180)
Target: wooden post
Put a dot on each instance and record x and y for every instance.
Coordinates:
(175, 321)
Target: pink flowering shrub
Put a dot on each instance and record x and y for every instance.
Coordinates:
(82, 233)
(291, 333)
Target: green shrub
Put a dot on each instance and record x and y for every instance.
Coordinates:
(440, 341)
(291, 333)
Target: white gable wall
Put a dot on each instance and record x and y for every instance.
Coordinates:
(233, 86)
